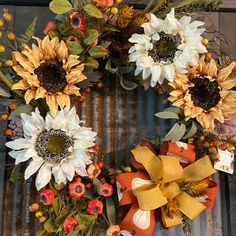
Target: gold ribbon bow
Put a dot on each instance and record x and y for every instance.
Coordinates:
(167, 176)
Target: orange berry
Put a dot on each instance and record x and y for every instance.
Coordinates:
(11, 36)
(9, 132)
(4, 116)
(13, 106)
(208, 56)
(2, 49)
(1, 23)
(87, 90)
(100, 85)
(8, 17)
(88, 185)
(97, 147)
(101, 164)
(42, 219)
(34, 207)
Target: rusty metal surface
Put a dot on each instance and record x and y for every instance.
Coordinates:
(121, 120)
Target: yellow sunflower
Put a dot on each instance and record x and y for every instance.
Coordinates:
(48, 71)
(205, 93)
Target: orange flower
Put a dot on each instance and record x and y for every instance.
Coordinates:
(76, 189)
(95, 207)
(103, 3)
(93, 171)
(46, 197)
(113, 230)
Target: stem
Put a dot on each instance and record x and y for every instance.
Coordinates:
(105, 219)
(158, 6)
(9, 84)
(148, 7)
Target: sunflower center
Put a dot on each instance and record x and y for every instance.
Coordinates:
(53, 145)
(52, 76)
(205, 93)
(164, 49)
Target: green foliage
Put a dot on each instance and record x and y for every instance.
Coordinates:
(93, 11)
(29, 33)
(74, 47)
(111, 212)
(60, 6)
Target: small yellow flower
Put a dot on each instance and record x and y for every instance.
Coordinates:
(39, 214)
(2, 49)
(1, 23)
(11, 36)
(114, 10)
(126, 15)
(9, 63)
(119, 1)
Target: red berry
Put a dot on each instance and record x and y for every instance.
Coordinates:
(70, 224)
(76, 189)
(95, 207)
(46, 197)
(106, 190)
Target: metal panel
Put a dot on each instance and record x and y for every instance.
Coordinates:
(121, 119)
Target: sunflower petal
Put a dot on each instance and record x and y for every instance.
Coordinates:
(52, 103)
(21, 85)
(29, 95)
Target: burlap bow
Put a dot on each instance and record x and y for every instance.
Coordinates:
(165, 178)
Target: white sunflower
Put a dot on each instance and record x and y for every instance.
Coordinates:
(57, 145)
(167, 46)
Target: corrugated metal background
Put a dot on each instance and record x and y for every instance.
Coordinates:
(121, 119)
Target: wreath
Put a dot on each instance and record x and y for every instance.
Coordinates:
(159, 48)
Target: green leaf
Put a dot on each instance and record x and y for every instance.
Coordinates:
(111, 212)
(91, 62)
(125, 69)
(97, 183)
(93, 11)
(21, 109)
(191, 131)
(56, 206)
(176, 110)
(91, 35)
(109, 68)
(128, 85)
(98, 52)
(74, 47)
(40, 232)
(167, 115)
(176, 133)
(50, 226)
(111, 28)
(60, 6)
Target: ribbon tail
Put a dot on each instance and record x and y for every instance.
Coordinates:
(139, 222)
(189, 206)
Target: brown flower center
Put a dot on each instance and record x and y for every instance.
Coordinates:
(164, 49)
(205, 93)
(52, 76)
(53, 145)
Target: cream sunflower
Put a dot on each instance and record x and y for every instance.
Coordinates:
(58, 145)
(48, 71)
(205, 93)
(166, 46)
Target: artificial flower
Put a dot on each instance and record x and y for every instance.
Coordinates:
(103, 3)
(50, 26)
(166, 46)
(106, 190)
(113, 230)
(70, 224)
(77, 21)
(205, 93)
(76, 189)
(48, 71)
(95, 207)
(46, 197)
(93, 171)
(57, 145)
(126, 16)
